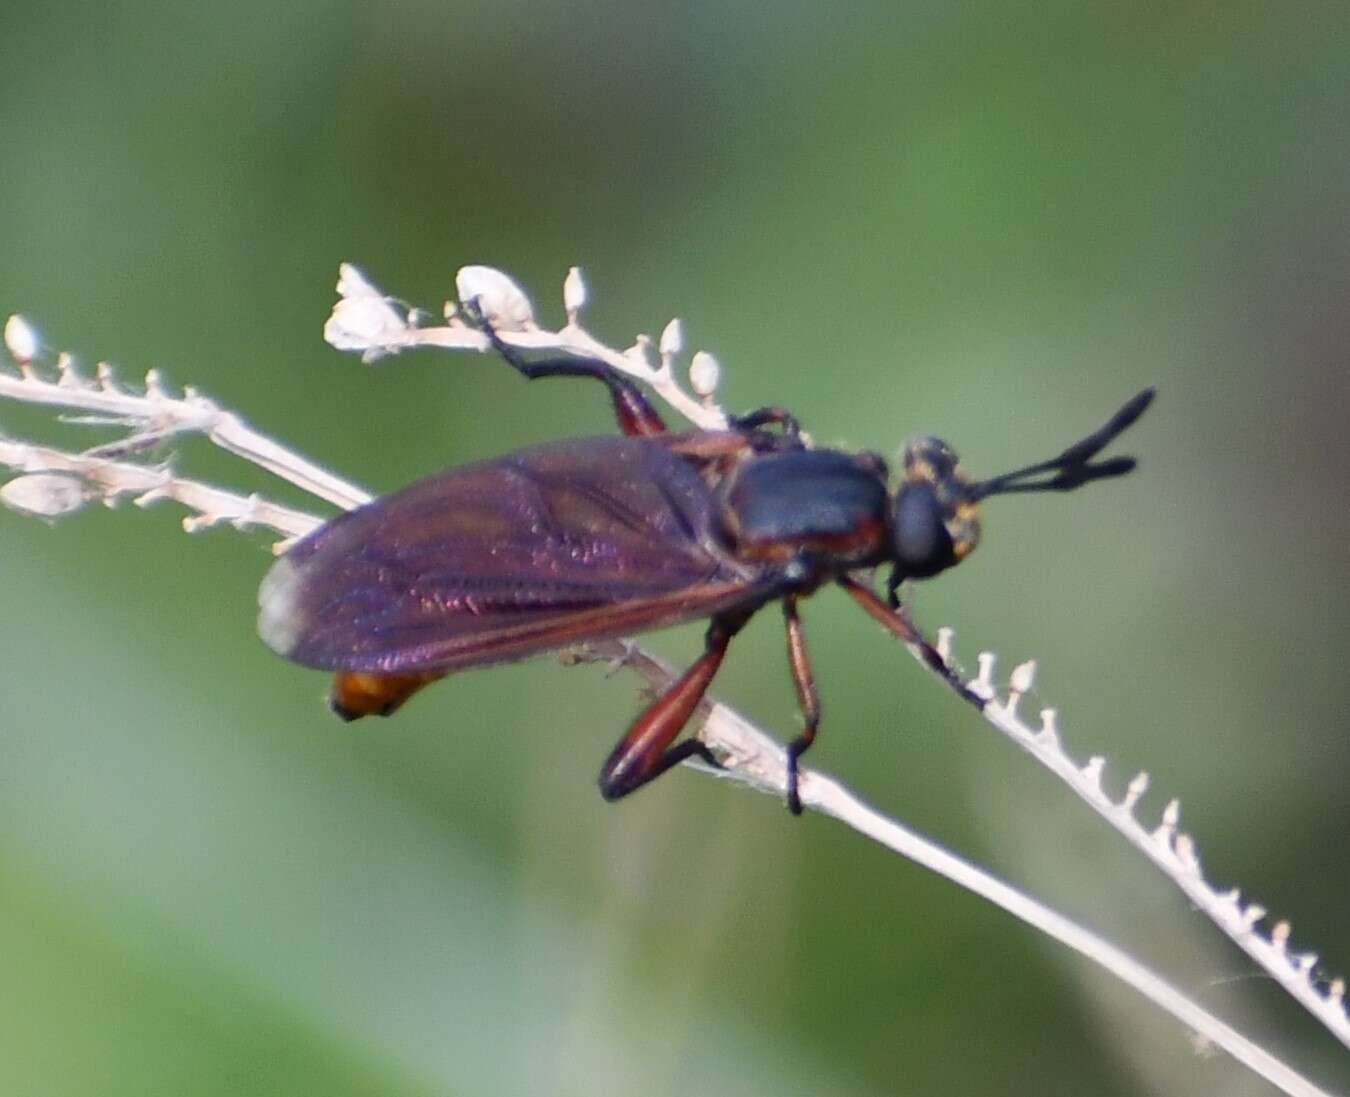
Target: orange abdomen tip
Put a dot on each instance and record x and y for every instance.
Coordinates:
(356, 693)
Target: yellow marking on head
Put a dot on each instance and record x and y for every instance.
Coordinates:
(964, 528)
(919, 470)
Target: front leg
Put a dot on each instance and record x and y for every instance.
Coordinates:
(770, 416)
(898, 624)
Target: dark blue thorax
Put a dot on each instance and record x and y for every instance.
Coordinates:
(782, 505)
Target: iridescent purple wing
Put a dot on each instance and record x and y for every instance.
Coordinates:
(584, 539)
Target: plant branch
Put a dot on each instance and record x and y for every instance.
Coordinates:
(155, 417)
(367, 320)
(755, 759)
(1170, 849)
(58, 483)
(1173, 852)
(376, 325)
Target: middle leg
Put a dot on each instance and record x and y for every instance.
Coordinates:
(807, 697)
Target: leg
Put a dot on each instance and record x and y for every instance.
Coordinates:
(635, 414)
(898, 624)
(710, 445)
(807, 698)
(765, 416)
(645, 752)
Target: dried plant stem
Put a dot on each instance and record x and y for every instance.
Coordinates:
(109, 480)
(1170, 851)
(755, 759)
(367, 321)
(158, 417)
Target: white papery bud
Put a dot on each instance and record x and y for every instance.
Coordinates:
(704, 373)
(352, 282)
(503, 302)
(672, 339)
(21, 339)
(364, 319)
(365, 323)
(574, 292)
(1023, 676)
(45, 494)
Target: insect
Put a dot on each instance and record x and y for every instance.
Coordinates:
(598, 538)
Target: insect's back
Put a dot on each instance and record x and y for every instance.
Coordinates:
(823, 503)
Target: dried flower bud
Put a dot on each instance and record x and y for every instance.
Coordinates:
(45, 494)
(574, 292)
(368, 324)
(704, 373)
(502, 301)
(352, 282)
(21, 339)
(672, 339)
(364, 319)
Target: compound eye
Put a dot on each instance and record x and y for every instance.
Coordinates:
(923, 546)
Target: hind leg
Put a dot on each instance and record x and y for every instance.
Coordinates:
(632, 409)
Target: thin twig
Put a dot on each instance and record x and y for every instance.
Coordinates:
(59, 482)
(753, 758)
(1170, 849)
(1175, 854)
(156, 417)
(366, 320)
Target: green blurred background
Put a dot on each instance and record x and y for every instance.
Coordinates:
(986, 221)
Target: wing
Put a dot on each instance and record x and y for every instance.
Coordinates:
(584, 539)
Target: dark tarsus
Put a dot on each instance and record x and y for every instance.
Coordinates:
(591, 539)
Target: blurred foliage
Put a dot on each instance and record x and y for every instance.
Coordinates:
(986, 221)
